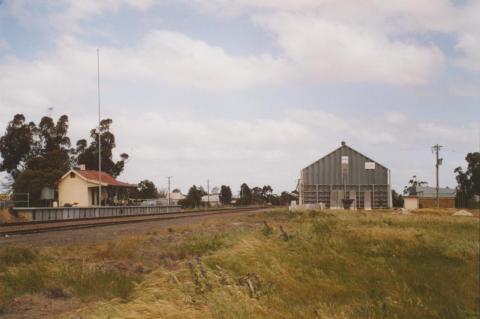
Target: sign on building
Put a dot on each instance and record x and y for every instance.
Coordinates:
(369, 165)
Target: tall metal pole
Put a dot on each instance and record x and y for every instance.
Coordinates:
(99, 134)
(169, 177)
(438, 161)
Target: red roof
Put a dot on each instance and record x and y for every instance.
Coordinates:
(105, 178)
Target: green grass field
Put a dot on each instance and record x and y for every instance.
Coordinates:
(322, 265)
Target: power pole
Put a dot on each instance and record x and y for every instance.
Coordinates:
(208, 192)
(169, 177)
(436, 149)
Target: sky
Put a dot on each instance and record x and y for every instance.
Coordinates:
(251, 91)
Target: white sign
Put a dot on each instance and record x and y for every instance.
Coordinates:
(344, 159)
(369, 165)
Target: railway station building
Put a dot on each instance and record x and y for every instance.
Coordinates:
(346, 179)
(79, 187)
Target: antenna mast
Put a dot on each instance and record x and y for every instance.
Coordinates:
(99, 134)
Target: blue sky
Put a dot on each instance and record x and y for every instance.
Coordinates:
(251, 91)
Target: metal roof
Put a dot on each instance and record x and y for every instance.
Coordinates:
(92, 177)
(329, 169)
(428, 191)
(344, 145)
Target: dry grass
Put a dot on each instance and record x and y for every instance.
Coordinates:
(329, 265)
(323, 265)
(5, 216)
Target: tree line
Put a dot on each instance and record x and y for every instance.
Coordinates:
(37, 155)
(248, 196)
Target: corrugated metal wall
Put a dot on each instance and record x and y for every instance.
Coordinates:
(324, 181)
(328, 170)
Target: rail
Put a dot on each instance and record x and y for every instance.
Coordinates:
(22, 228)
(75, 213)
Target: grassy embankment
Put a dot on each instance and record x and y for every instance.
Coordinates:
(324, 265)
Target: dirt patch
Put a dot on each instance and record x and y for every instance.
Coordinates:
(101, 234)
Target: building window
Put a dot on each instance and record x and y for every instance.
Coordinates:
(344, 165)
(369, 165)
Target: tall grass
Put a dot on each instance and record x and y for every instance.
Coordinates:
(92, 281)
(24, 271)
(333, 265)
(11, 256)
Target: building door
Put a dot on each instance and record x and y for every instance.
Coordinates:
(93, 196)
(336, 199)
(367, 200)
(353, 196)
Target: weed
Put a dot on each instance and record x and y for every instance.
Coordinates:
(12, 255)
(92, 281)
(267, 230)
(200, 245)
(120, 249)
(17, 282)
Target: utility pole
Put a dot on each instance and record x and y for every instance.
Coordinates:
(99, 134)
(169, 177)
(208, 192)
(436, 149)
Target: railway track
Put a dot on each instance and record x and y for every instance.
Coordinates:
(7, 230)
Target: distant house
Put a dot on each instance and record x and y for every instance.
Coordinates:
(426, 197)
(175, 197)
(79, 187)
(212, 199)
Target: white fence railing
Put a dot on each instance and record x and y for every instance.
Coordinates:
(68, 213)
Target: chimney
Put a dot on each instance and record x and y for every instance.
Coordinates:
(343, 143)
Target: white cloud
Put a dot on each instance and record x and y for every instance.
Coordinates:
(470, 45)
(162, 58)
(468, 31)
(331, 51)
(174, 58)
(320, 41)
(366, 31)
(395, 118)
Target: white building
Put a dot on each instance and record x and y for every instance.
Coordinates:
(212, 199)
